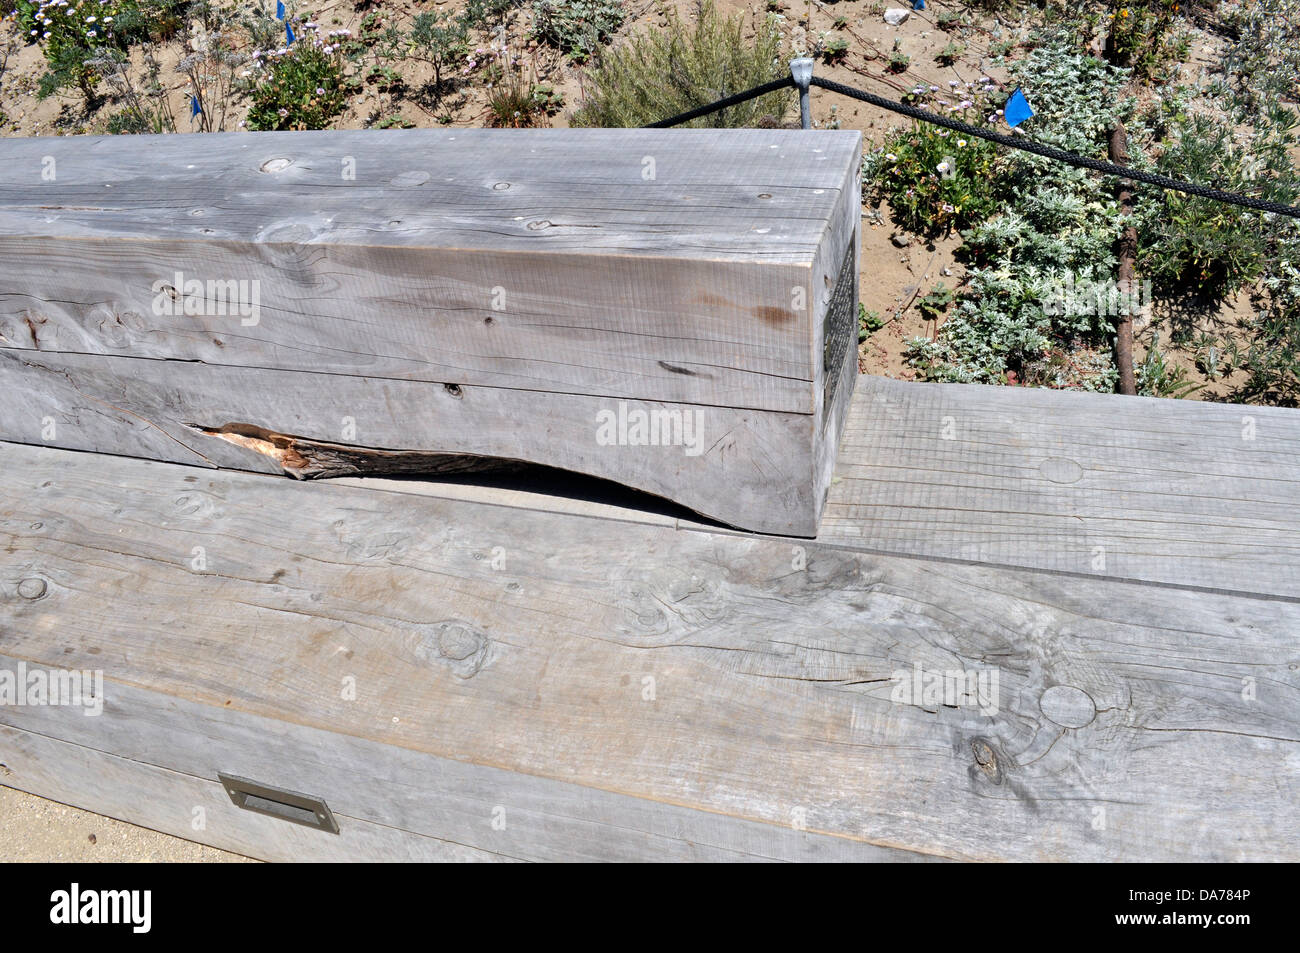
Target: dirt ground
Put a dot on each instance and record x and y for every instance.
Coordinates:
(33, 829)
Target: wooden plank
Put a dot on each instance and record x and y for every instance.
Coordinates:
(1132, 721)
(1176, 492)
(740, 467)
(502, 813)
(173, 803)
(461, 165)
(538, 259)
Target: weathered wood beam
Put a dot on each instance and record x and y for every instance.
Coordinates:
(1179, 492)
(750, 680)
(568, 270)
(732, 465)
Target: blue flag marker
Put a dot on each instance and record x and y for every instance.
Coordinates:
(288, 34)
(918, 5)
(1017, 108)
(279, 9)
(195, 108)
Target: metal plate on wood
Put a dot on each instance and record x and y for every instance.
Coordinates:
(277, 802)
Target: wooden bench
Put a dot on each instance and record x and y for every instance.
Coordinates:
(672, 310)
(1031, 625)
(468, 672)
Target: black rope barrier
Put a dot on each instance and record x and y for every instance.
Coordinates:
(735, 100)
(1012, 142)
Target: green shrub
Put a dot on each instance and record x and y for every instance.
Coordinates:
(69, 32)
(512, 105)
(1057, 230)
(479, 14)
(833, 49)
(1262, 66)
(869, 322)
(301, 87)
(1272, 358)
(156, 20)
(440, 40)
(1156, 377)
(1193, 243)
(950, 54)
(658, 74)
(143, 95)
(577, 27)
(934, 179)
(1141, 35)
(129, 122)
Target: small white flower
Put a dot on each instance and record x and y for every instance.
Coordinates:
(961, 142)
(942, 168)
(891, 157)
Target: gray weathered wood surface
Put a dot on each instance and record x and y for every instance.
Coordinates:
(608, 675)
(751, 467)
(541, 277)
(197, 808)
(1178, 492)
(652, 264)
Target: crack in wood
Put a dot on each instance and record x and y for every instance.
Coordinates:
(306, 459)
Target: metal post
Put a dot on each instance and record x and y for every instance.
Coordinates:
(801, 70)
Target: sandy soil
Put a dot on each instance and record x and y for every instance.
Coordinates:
(33, 829)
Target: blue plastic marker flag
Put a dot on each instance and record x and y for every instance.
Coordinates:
(195, 108)
(1017, 108)
(279, 9)
(918, 5)
(288, 34)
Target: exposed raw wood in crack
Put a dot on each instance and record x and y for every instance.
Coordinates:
(308, 459)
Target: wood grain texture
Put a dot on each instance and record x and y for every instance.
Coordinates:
(535, 259)
(167, 801)
(1170, 491)
(739, 467)
(1132, 722)
(536, 818)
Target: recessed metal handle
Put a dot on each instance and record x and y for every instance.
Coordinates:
(277, 802)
